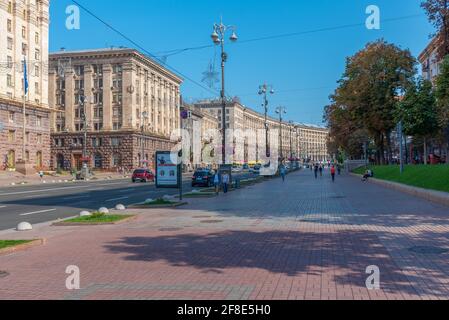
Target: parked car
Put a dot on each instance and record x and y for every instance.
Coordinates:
(143, 175)
(245, 166)
(255, 169)
(203, 178)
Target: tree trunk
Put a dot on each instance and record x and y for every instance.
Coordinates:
(425, 151)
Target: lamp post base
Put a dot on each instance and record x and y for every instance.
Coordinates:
(26, 168)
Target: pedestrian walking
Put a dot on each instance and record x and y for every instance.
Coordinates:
(283, 172)
(316, 170)
(321, 170)
(225, 182)
(339, 169)
(333, 173)
(217, 182)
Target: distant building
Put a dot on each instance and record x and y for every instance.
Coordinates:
(24, 34)
(129, 103)
(197, 123)
(429, 60)
(298, 140)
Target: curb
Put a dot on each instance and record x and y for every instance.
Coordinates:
(23, 247)
(439, 197)
(161, 206)
(80, 224)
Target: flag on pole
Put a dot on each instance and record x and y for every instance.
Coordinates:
(25, 77)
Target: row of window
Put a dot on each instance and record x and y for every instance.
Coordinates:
(28, 136)
(12, 119)
(95, 141)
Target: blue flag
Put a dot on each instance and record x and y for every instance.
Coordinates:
(25, 77)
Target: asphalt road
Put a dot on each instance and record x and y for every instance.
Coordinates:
(48, 202)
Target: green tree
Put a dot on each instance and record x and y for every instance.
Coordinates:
(418, 112)
(442, 96)
(368, 93)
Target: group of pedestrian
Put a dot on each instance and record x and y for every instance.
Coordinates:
(225, 179)
(318, 168)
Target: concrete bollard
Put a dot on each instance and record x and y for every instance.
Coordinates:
(24, 226)
(103, 210)
(120, 207)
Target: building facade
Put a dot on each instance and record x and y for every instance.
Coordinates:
(313, 143)
(24, 36)
(429, 60)
(198, 124)
(296, 141)
(114, 108)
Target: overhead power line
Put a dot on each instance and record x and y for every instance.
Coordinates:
(292, 34)
(142, 48)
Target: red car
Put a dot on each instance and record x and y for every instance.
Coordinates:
(142, 175)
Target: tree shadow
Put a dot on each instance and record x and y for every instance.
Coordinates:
(290, 253)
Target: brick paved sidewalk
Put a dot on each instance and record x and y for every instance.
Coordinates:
(302, 239)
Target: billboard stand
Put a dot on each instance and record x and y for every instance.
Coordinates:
(168, 170)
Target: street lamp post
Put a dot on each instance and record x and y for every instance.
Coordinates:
(280, 111)
(263, 90)
(291, 141)
(218, 37)
(85, 170)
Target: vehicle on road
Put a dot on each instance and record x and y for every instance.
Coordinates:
(245, 166)
(203, 178)
(142, 175)
(255, 169)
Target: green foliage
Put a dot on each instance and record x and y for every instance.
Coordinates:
(442, 93)
(422, 176)
(363, 106)
(417, 110)
(12, 243)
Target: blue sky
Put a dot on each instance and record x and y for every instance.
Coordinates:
(303, 69)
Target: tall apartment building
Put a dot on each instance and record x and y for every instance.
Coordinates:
(429, 60)
(296, 140)
(125, 103)
(313, 143)
(198, 123)
(24, 36)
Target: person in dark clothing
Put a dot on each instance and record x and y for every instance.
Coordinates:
(316, 170)
(321, 170)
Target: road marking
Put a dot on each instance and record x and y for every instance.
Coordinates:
(110, 200)
(109, 184)
(126, 190)
(96, 189)
(35, 212)
(1, 207)
(36, 191)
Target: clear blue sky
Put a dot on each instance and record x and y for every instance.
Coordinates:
(303, 69)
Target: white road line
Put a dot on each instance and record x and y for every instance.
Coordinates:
(108, 184)
(110, 200)
(1, 207)
(35, 212)
(126, 190)
(36, 191)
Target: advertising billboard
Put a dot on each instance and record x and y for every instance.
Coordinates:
(167, 171)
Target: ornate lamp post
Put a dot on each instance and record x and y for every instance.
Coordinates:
(218, 37)
(281, 111)
(263, 91)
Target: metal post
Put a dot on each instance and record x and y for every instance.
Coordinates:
(24, 121)
(223, 101)
(401, 151)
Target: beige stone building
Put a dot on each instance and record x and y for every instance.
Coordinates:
(429, 60)
(124, 102)
(24, 35)
(298, 140)
(198, 125)
(313, 143)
